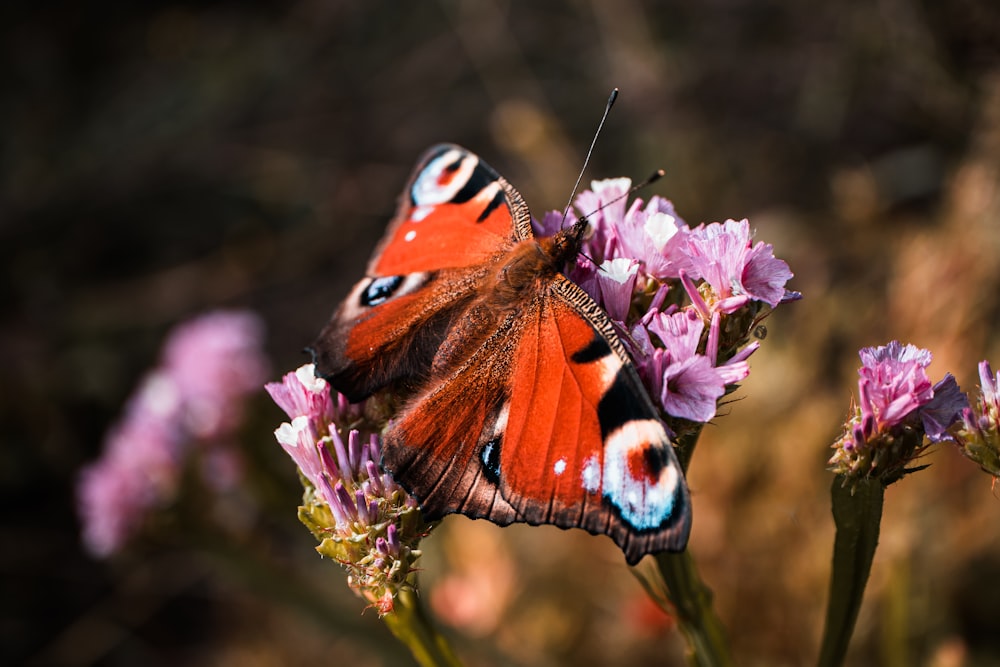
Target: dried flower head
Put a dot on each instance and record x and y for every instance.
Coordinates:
(363, 519)
(979, 434)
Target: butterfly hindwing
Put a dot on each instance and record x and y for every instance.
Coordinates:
(546, 423)
(628, 461)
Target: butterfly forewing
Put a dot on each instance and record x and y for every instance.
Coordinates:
(520, 401)
(456, 212)
(455, 219)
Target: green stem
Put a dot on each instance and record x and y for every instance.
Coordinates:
(692, 601)
(412, 627)
(685, 444)
(857, 514)
(687, 593)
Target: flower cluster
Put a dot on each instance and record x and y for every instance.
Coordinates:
(363, 519)
(192, 403)
(684, 300)
(897, 408)
(979, 435)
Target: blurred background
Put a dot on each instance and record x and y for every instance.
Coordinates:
(165, 159)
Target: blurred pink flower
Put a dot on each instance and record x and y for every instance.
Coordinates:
(196, 396)
(214, 362)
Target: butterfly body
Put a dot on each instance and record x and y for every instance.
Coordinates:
(519, 400)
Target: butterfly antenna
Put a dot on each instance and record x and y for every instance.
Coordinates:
(652, 178)
(586, 161)
(649, 180)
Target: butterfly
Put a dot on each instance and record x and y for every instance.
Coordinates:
(520, 403)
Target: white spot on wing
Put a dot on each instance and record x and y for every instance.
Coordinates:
(410, 235)
(644, 503)
(560, 467)
(420, 212)
(591, 475)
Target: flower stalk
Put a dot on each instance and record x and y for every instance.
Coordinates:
(897, 415)
(408, 622)
(857, 514)
(691, 600)
(681, 592)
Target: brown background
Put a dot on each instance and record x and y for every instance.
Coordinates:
(170, 158)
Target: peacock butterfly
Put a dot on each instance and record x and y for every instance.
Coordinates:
(520, 402)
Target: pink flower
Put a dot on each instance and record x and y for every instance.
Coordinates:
(687, 383)
(893, 381)
(724, 257)
(663, 283)
(656, 237)
(112, 500)
(897, 408)
(210, 365)
(364, 520)
(604, 205)
(652, 235)
(215, 361)
(616, 281)
(979, 435)
(665, 248)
